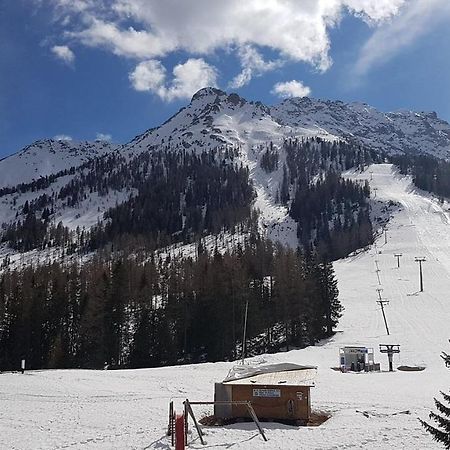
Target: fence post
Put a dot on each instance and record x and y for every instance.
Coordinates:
(186, 423)
(170, 427)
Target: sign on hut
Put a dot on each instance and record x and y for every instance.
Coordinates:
(277, 391)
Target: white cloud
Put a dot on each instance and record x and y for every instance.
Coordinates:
(417, 19)
(103, 137)
(292, 88)
(64, 53)
(374, 10)
(129, 42)
(252, 64)
(294, 30)
(187, 78)
(62, 137)
(148, 76)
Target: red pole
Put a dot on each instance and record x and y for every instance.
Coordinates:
(179, 432)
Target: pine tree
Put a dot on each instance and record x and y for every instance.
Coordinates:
(441, 433)
(329, 308)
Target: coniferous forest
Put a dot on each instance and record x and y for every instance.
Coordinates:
(174, 196)
(131, 305)
(333, 214)
(428, 173)
(130, 312)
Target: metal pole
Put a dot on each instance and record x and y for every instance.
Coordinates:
(255, 419)
(197, 426)
(246, 403)
(245, 333)
(382, 302)
(390, 349)
(169, 429)
(421, 276)
(379, 290)
(186, 424)
(384, 315)
(378, 275)
(398, 255)
(420, 260)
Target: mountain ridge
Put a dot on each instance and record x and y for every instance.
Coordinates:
(215, 118)
(48, 156)
(73, 177)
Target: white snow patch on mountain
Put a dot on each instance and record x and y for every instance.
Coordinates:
(48, 157)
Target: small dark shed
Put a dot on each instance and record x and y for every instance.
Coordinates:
(277, 391)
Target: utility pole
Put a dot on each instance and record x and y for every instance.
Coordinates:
(371, 175)
(378, 275)
(385, 235)
(382, 302)
(398, 256)
(377, 271)
(420, 260)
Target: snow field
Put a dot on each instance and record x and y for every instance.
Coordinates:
(128, 409)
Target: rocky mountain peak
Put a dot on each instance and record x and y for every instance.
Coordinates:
(208, 93)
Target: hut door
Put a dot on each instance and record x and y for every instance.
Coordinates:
(291, 408)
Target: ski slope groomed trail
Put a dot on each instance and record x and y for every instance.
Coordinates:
(127, 409)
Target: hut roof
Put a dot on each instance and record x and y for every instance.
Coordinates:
(274, 374)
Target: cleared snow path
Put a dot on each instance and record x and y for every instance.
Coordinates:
(128, 409)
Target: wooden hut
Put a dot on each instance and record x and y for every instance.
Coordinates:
(277, 391)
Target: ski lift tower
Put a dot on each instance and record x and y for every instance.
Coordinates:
(390, 349)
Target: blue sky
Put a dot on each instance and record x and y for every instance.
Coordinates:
(110, 69)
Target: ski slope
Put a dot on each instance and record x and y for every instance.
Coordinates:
(81, 409)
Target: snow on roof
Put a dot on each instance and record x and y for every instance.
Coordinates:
(282, 374)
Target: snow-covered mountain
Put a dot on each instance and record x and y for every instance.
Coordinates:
(393, 132)
(214, 119)
(386, 415)
(46, 157)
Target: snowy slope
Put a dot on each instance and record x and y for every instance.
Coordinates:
(128, 409)
(47, 157)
